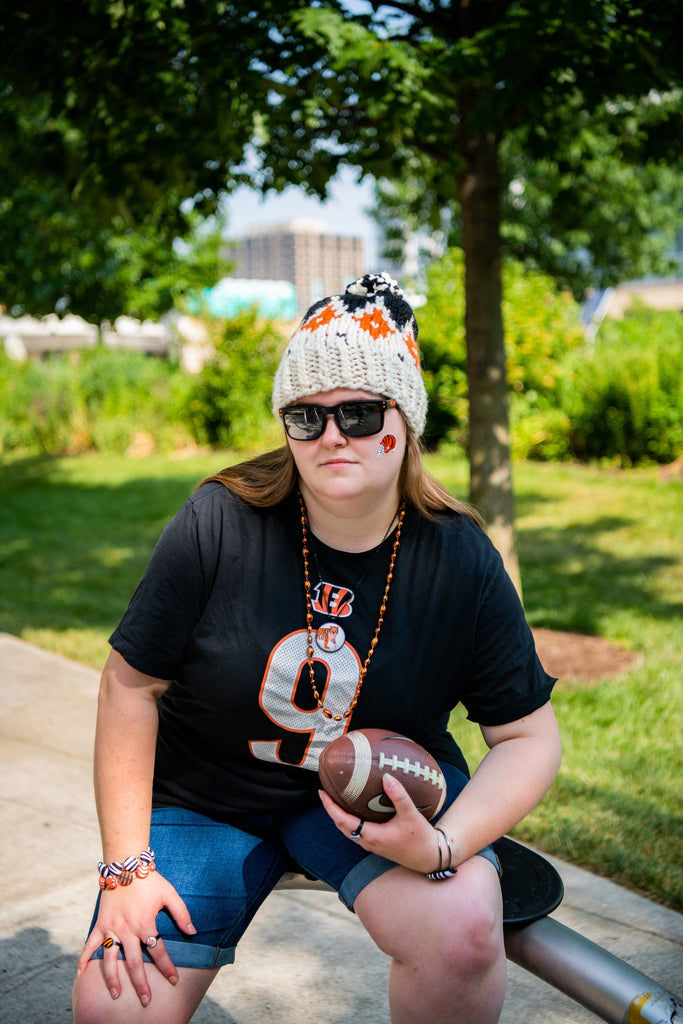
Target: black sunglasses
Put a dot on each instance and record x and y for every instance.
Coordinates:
(354, 419)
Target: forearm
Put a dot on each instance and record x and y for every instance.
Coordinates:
(125, 744)
(512, 778)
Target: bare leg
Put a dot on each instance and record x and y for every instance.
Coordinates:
(170, 1004)
(446, 943)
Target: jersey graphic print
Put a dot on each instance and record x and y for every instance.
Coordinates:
(329, 599)
(337, 667)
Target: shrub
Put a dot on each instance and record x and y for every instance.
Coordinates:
(95, 399)
(624, 395)
(229, 402)
(541, 327)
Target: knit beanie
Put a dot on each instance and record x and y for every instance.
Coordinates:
(364, 339)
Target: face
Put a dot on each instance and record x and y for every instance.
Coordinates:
(344, 469)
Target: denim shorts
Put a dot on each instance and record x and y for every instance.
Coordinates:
(225, 872)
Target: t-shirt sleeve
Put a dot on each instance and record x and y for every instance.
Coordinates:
(506, 680)
(170, 598)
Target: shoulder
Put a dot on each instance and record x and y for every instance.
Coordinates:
(214, 501)
(214, 507)
(453, 545)
(213, 496)
(459, 532)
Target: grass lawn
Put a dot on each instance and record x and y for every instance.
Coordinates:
(600, 553)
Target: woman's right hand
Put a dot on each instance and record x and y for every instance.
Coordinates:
(127, 915)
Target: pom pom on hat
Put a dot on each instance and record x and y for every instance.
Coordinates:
(364, 339)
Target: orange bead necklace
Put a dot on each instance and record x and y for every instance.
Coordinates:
(309, 614)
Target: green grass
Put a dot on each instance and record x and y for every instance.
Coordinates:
(75, 536)
(600, 553)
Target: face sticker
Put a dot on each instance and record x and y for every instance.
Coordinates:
(386, 445)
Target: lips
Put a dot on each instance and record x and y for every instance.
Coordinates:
(338, 462)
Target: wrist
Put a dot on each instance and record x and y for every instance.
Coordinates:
(122, 873)
(445, 867)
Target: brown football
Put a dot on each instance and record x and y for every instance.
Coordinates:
(351, 769)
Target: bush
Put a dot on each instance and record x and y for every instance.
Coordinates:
(110, 400)
(229, 404)
(541, 327)
(95, 399)
(624, 395)
(619, 399)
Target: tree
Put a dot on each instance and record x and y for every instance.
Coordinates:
(583, 214)
(432, 91)
(542, 327)
(120, 122)
(161, 99)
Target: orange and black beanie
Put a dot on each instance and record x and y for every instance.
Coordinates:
(365, 339)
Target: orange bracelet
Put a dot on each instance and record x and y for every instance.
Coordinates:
(115, 874)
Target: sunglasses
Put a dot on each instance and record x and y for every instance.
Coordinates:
(354, 419)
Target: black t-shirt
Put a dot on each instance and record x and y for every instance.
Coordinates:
(221, 612)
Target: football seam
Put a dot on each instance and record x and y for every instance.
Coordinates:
(409, 767)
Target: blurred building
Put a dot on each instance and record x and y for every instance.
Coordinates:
(660, 293)
(316, 262)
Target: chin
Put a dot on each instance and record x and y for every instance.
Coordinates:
(337, 486)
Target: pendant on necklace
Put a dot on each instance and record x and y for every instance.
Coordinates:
(330, 637)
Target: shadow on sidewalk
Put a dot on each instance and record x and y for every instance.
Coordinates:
(36, 977)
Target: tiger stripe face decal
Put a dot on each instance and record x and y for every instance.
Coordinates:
(386, 445)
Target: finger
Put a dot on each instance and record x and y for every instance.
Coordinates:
(93, 942)
(162, 960)
(340, 817)
(398, 795)
(136, 969)
(180, 914)
(110, 968)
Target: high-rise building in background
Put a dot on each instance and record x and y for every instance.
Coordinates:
(300, 251)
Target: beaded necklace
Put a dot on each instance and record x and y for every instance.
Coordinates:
(309, 614)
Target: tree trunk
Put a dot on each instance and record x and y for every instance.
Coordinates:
(489, 430)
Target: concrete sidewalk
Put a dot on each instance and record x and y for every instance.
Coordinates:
(304, 959)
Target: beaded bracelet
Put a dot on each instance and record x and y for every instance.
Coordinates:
(441, 873)
(115, 874)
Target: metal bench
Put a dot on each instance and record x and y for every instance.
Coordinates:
(590, 975)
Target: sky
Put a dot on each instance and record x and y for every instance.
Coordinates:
(343, 213)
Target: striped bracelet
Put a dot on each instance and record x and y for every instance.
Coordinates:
(442, 872)
(115, 874)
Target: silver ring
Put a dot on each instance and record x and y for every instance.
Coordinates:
(151, 941)
(358, 829)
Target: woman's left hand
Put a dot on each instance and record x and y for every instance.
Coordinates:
(406, 838)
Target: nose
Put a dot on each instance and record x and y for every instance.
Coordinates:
(332, 434)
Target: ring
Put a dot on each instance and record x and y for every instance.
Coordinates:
(151, 941)
(358, 829)
(108, 943)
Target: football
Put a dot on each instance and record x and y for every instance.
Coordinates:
(351, 769)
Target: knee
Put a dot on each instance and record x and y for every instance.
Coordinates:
(470, 939)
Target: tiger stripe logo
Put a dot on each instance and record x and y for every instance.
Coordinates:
(329, 599)
(386, 445)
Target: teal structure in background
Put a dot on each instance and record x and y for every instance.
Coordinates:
(232, 295)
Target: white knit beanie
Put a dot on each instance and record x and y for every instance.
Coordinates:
(365, 339)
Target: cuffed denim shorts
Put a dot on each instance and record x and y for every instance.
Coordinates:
(224, 872)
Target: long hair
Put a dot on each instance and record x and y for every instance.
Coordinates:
(266, 480)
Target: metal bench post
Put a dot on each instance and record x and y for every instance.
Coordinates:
(590, 975)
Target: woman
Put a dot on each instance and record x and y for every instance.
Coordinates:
(327, 586)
